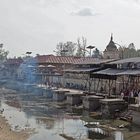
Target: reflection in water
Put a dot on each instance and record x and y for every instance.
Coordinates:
(49, 128)
(119, 135)
(97, 133)
(49, 122)
(46, 121)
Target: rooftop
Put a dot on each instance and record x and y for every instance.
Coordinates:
(81, 70)
(56, 59)
(127, 60)
(91, 60)
(115, 72)
(70, 60)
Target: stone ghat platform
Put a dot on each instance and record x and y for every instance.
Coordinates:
(109, 107)
(74, 98)
(59, 95)
(134, 107)
(134, 110)
(91, 102)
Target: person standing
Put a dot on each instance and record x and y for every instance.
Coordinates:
(139, 98)
(122, 95)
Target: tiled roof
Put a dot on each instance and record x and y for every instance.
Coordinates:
(70, 60)
(57, 59)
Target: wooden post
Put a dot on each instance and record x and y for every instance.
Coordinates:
(109, 89)
(98, 85)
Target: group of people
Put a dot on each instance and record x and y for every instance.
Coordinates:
(133, 93)
(76, 86)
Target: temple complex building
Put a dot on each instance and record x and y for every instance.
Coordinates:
(111, 51)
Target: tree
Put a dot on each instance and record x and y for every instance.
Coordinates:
(65, 49)
(59, 48)
(79, 50)
(81, 47)
(138, 53)
(70, 48)
(131, 46)
(128, 52)
(3, 53)
(132, 50)
(96, 53)
(121, 51)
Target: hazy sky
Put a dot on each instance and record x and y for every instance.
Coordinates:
(38, 25)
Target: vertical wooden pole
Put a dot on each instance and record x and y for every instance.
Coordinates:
(109, 88)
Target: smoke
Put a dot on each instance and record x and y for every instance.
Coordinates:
(27, 69)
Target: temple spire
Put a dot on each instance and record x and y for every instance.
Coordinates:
(111, 37)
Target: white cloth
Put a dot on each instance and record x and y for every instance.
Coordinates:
(131, 94)
(122, 95)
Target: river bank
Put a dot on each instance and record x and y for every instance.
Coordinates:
(6, 133)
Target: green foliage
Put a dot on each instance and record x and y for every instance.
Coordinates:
(3, 53)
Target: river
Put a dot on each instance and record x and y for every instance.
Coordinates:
(53, 121)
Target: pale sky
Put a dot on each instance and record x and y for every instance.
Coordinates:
(38, 25)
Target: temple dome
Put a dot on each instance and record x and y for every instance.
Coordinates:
(111, 46)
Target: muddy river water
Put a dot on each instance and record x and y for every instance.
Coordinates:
(52, 121)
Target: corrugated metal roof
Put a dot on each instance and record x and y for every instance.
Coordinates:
(81, 70)
(109, 71)
(91, 60)
(131, 72)
(116, 72)
(127, 60)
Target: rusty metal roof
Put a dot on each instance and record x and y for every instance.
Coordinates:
(91, 60)
(70, 60)
(57, 59)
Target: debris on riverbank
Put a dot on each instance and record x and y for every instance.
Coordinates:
(66, 137)
(6, 133)
(14, 103)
